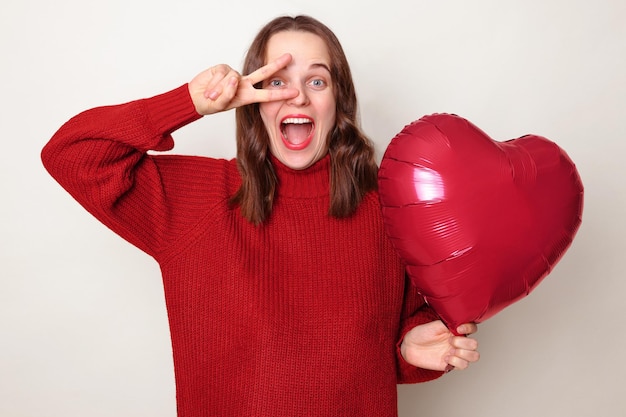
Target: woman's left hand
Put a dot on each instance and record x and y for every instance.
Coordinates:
(432, 346)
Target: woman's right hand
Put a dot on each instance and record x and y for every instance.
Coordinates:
(221, 88)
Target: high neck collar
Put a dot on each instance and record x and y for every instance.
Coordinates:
(313, 181)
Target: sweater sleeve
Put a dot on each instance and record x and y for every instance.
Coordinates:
(101, 158)
(415, 312)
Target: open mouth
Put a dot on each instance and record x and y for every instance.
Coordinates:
(297, 131)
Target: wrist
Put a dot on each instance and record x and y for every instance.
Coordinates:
(403, 350)
(172, 110)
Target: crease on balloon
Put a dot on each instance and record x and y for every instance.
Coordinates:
(456, 254)
(402, 161)
(415, 204)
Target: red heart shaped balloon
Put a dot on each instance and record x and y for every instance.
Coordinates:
(479, 223)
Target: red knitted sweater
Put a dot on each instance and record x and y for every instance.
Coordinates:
(301, 316)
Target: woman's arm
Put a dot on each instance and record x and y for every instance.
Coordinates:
(100, 157)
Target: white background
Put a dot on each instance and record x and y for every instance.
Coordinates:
(83, 328)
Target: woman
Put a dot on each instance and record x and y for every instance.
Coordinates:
(284, 295)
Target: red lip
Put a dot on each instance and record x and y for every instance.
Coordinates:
(296, 146)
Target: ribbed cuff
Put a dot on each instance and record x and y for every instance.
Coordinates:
(172, 110)
(407, 373)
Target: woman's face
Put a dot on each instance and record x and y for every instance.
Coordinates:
(298, 128)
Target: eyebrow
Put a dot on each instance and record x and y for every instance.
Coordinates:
(313, 66)
(320, 65)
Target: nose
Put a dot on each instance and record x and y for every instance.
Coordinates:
(302, 99)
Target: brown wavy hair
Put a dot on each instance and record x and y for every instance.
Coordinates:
(353, 165)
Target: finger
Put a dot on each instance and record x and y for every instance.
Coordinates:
(259, 95)
(228, 90)
(268, 70)
(454, 362)
(461, 359)
(220, 75)
(467, 328)
(468, 356)
(463, 342)
(263, 95)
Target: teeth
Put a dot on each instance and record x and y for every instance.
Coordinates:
(296, 120)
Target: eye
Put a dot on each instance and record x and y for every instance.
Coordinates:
(276, 83)
(317, 83)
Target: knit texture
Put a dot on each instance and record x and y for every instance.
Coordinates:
(300, 316)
